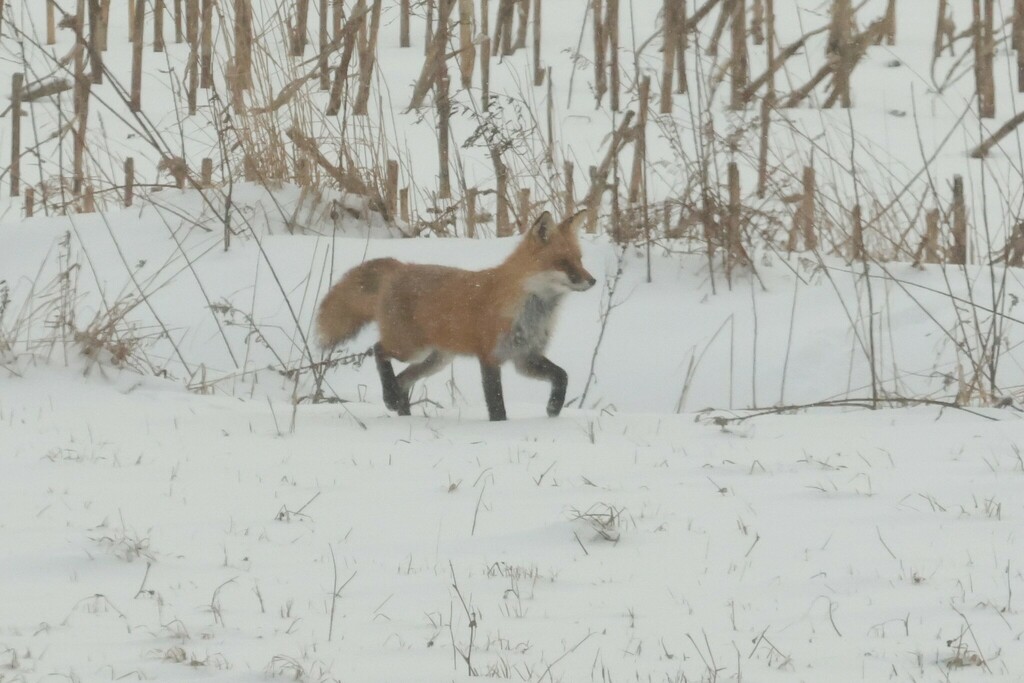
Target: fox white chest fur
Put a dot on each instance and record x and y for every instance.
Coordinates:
(535, 318)
(531, 328)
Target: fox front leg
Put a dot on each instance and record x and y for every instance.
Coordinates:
(540, 367)
(492, 390)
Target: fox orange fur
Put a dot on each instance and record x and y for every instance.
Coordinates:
(427, 314)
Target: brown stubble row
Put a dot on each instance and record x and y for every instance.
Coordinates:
(271, 153)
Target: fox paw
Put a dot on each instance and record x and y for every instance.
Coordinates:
(397, 403)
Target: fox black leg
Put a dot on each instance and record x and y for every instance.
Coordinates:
(432, 364)
(539, 367)
(492, 391)
(394, 398)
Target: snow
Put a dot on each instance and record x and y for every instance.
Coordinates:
(140, 518)
(173, 506)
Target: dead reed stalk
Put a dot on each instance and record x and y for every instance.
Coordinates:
(392, 187)
(570, 189)
(762, 158)
(403, 24)
(138, 27)
(158, 25)
(17, 83)
(206, 47)
(945, 31)
(367, 56)
(681, 46)
(640, 142)
(757, 22)
(96, 23)
(739, 61)
(470, 207)
(858, 253)
(433, 64)
(501, 225)
(206, 173)
(599, 174)
(192, 68)
(485, 58)
(298, 30)
(890, 23)
(928, 250)
(733, 239)
(538, 70)
(983, 149)
(842, 57)
(600, 42)
(428, 36)
(129, 181)
(958, 255)
(611, 27)
(1018, 41)
(467, 50)
(503, 28)
(984, 50)
(803, 219)
(51, 24)
(720, 25)
(325, 38)
(243, 45)
(525, 219)
(444, 111)
(668, 53)
(523, 7)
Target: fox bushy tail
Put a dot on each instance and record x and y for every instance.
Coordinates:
(352, 302)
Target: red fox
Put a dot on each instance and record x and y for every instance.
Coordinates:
(427, 314)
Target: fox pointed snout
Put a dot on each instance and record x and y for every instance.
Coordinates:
(582, 281)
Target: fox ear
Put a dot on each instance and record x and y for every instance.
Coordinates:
(573, 223)
(543, 227)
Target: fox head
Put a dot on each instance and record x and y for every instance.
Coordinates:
(553, 253)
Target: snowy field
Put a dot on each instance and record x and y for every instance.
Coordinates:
(154, 534)
(173, 506)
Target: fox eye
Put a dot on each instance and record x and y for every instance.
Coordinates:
(568, 269)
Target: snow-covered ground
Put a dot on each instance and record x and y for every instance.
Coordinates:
(172, 505)
(154, 534)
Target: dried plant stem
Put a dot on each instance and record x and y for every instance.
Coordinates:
(467, 50)
(444, 110)
(610, 305)
(434, 59)
(485, 58)
(17, 81)
(738, 60)
(984, 50)
(367, 56)
(206, 47)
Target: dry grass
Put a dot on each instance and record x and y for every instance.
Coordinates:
(273, 128)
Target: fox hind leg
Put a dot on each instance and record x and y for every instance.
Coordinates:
(394, 398)
(539, 367)
(433, 363)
